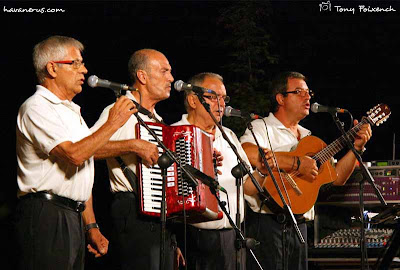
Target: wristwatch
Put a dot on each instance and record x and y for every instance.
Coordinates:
(360, 152)
(91, 226)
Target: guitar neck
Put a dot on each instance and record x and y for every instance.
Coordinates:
(337, 145)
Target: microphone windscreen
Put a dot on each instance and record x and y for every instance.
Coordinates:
(178, 85)
(228, 111)
(314, 107)
(92, 81)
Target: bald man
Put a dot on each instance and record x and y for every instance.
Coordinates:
(135, 240)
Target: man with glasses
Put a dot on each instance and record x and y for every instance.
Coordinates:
(211, 245)
(55, 151)
(280, 247)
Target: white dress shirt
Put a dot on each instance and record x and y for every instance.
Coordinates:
(44, 121)
(281, 138)
(226, 180)
(118, 181)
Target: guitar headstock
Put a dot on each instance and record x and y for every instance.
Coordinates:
(378, 114)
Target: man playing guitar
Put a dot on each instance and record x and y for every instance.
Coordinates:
(281, 132)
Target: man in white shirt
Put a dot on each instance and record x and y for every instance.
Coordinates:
(281, 132)
(55, 151)
(211, 245)
(135, 240)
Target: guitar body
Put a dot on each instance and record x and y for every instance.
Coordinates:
(302, 193)
(301, 203)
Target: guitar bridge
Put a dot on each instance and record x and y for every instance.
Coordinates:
(292, 183)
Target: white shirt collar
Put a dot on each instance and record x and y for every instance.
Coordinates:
(50, 96)
(275, 121)
(184, 121)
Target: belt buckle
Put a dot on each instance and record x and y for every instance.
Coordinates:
(80, 207)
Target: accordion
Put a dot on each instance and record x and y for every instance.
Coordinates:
(192, 146)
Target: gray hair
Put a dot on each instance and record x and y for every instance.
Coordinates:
(53, 48)
(139, 61)
(197, 80)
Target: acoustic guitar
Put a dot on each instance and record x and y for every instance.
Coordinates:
(301, 193)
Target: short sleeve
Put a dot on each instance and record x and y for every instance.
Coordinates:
(44, 128)
(259, 129)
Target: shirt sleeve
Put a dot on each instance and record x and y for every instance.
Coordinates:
(259, 129)
(44, 128)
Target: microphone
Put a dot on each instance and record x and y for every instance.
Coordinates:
(229, 111)
(182, 86)
(94, 81)
(316, 108)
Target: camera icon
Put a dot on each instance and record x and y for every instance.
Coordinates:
(325, 6)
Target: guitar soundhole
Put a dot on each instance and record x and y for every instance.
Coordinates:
(319, 164)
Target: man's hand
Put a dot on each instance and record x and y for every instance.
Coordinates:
(98, 244)
(308, 167)
(147, 151)
(363, 136)
(270, 159)
(218, 158)
(121, 111)
(179, 259)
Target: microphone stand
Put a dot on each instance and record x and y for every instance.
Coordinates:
(241, 162)
(286, 207)
(366, 176)
(241, 241)
(164, 161)
(244, 165)
(238, 173)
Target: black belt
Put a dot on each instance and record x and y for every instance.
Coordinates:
(69, 203)
(281, 217)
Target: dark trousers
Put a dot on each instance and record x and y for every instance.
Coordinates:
(212, 249)
(48, 236)
(135, 240)
(273, 237)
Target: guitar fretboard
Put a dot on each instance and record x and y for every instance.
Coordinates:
(337, 145)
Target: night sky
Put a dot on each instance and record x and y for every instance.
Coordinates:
(351, 58)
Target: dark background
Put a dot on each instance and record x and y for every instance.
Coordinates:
(351, 61)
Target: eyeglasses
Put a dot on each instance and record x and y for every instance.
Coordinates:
(301, 92)
(214, 98)
(76, 64)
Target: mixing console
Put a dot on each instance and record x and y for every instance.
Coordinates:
(350, 238)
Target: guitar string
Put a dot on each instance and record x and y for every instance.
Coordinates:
(337, 145)
(329, 151)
